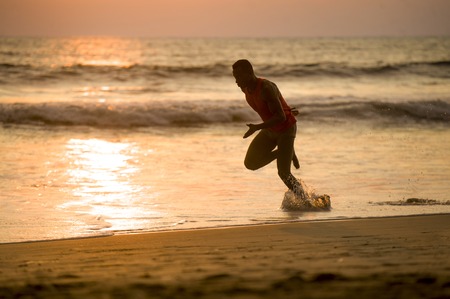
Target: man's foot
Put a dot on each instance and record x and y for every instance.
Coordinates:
(295, 161)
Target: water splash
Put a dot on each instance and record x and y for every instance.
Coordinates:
(312, 202)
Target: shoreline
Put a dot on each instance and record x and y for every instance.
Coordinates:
(389, 257)
(220, 227)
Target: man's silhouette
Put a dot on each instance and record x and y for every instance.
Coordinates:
(275, 140)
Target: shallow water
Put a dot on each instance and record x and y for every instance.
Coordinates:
(66, 182)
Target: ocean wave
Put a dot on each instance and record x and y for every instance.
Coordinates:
(122, 115)
(16, 73)
(197, 113)
(434, 69)
(376, 111)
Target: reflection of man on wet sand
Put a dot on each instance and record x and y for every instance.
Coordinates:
(275, 140)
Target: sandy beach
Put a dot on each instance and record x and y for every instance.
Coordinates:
(401, 257)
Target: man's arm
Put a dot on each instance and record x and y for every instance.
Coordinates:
(270, 95)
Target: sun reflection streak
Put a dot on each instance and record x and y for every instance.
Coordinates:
(101, 174)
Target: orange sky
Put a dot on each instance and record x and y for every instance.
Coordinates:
(228, 18)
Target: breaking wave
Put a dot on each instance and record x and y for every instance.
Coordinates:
(17, 73)
(195, 113)
(440, 69)
(122, 115)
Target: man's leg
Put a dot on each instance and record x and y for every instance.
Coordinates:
(284, 159)
(295, 161)
(261, 151)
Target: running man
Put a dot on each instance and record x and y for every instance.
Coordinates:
(275, 140)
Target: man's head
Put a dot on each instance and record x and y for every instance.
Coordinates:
(243, 73)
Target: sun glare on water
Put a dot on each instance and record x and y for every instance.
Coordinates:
(101, 173)
(105, 52)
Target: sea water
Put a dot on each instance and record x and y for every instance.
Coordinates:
(107, 135)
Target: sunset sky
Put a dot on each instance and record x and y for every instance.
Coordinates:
(224, 18)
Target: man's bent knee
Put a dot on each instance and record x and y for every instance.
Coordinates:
(250, 166)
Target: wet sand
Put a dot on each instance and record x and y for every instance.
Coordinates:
(400, 257)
